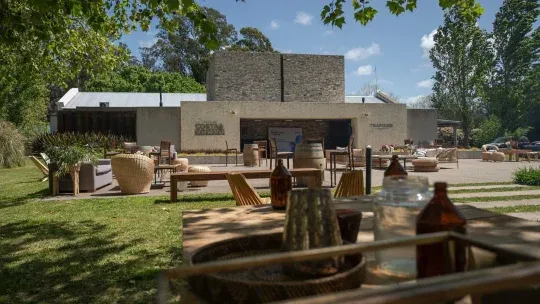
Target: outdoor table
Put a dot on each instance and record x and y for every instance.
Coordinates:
(516, 153)
(389, 157)
(160, 169)
(202, 227)
(333, 164)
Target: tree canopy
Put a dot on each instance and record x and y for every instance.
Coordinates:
(132, 78)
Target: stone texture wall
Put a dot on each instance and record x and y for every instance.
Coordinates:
(244, 76)
(313, 78)
(258, 129)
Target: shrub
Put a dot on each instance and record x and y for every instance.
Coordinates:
(67, 156)
(527, 176)
(43, 141)
(11, 146)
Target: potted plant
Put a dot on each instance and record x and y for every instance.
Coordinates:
(68, 160)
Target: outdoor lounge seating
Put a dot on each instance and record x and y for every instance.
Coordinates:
(350, 184)
(491, 153)
(448, 155)
(41, 168)
(91, 177)
(133, 172)
(243, 192)
(426, 164)
(195, 169)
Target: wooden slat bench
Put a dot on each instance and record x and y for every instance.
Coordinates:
(315, 174)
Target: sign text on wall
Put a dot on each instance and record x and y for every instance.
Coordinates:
(381, 126)
(209, 128)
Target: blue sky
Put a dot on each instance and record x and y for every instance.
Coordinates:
(396, 46)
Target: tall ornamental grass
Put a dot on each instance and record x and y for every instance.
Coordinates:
(11, 146)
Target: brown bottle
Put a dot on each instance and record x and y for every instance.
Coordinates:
(280, 185)
(395, 168)
(440, 215)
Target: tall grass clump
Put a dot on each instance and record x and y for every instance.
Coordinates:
(527, 176)
(11, 146)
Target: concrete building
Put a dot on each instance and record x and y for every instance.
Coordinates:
(252, 96)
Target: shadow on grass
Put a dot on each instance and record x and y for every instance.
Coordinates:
(61, 262)
(6, 202)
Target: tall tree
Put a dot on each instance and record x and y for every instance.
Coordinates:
(183, 51)
(462, 57)
(516, 51)
(252, 40)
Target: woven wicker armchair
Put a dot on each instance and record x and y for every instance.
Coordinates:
(133, 172)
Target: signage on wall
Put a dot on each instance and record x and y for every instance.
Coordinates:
(286, 138)
(209, 128)
(382, 126)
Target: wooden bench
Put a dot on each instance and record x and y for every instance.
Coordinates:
(315, 174)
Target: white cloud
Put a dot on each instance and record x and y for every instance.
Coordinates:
(303, 18)
(427, 43)
(413, 99)
(428, 83)
(364, 70)
(328, 32)
(274, 25)
(360, 53)
(147, 43)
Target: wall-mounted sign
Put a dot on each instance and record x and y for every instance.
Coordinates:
(381, 126)
(286, 138)
(209, 128)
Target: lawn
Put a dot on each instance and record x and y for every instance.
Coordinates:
(86, 251)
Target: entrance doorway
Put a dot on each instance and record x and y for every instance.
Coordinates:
(339, 132)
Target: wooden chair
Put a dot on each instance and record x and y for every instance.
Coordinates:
(243, 192)
(263, 148)
(41, 168)
(227, 151)
(274, 154)
(165, 152)
(350, 184)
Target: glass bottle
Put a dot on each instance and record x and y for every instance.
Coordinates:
(440, 215)
(396, 207)
(280, 184)
(395, 168)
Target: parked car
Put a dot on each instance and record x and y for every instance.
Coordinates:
(500, 142)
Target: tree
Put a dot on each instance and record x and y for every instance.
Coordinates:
(132, 78)
(423, 102)
(252, 40)
(183, 51)
(516, 52)
(462, 57)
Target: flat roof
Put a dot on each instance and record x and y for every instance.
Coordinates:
(74, 99)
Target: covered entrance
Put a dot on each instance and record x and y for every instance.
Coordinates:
(335, 132)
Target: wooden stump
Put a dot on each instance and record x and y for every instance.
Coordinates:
(55, 186)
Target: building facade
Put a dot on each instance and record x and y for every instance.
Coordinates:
(253, 96)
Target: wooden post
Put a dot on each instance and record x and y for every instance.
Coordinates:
(74, 172)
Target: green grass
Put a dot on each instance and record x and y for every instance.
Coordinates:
(482, 184)
(496, 198)
(86, 251)
(520, 208)
(501, 189)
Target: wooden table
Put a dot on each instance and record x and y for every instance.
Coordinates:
(389, 157)
(161, 168)
(202, 227)
(333, 163)
(314, 174)
(515, 153)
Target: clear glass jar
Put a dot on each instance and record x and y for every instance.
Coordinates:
(396, 207)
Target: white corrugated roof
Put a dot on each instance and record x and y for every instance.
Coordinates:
(129, 100)
(358, 99)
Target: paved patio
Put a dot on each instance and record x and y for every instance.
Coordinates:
(470, 171)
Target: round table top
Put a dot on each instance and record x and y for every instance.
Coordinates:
(399, 156)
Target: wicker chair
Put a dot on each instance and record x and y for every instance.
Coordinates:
(133, 172)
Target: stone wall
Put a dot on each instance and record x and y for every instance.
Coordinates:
(421, 125)
(313, 78)
(258, 129)
(244, 76)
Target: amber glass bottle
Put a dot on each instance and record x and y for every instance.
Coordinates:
(280, 184)
(440, 215)
(395, 168)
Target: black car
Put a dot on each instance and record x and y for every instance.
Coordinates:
(500, 142)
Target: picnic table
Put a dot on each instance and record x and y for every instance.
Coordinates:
(314, 174)
(202, 227)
